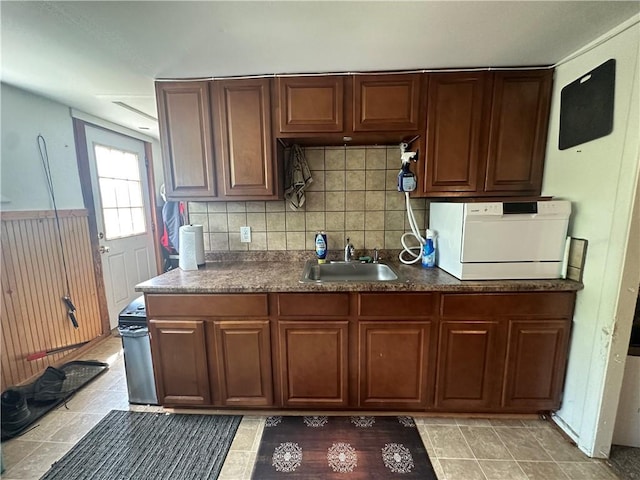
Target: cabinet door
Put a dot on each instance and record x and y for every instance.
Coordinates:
(536, 362)
(519, 119)
(394, 364)
(310, 104)
(454, 138)
(313, 363)
(242, 120)
(180, 362)
(386, 103)
(470, 356)
(243, 362)
(187, 142)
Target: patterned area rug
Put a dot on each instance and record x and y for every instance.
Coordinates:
(143, 446)
(351, 448)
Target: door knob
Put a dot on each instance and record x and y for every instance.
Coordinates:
(104, 249)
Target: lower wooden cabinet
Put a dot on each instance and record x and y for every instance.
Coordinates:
(536, 363)
(470, 357)
(241, 366)
(503, 352)
(180, 359)
(444, 352)
(394, 362)
(314, 363)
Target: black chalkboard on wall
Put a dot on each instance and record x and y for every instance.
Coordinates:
(586, 106)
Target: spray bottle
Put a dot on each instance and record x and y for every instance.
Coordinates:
(429, 250)
(406, 178)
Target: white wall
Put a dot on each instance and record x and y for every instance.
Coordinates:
(600, 178)
(23, 185)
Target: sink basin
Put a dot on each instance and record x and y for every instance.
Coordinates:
(347, 272)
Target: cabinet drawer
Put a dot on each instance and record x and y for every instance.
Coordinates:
(556, 305)
(313, 304)
(396, 304)
(239, 305)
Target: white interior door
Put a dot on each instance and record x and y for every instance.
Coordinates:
(120, 195)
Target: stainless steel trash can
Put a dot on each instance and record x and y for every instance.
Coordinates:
(132, 326)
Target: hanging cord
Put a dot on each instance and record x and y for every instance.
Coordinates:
(406, 183)
(415, 233)
(44, 156)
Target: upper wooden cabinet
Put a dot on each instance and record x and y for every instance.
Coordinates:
(519, 120)
(482, 133)
(310, 104)
(383, 103)
(187, 145)
(346, 105)
(237, 114)
(454, 136)
(244, 145)
(486, 133)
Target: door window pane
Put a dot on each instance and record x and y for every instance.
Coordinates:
(137, 217)
(120, 192)
(107, 193)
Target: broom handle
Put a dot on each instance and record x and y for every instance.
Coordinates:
(44, 353)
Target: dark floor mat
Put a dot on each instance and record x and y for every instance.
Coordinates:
(78, 374)
(625, 461)
(144, 445)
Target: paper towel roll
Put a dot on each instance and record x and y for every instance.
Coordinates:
(191, 247)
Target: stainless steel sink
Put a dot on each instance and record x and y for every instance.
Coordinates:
(347, 272)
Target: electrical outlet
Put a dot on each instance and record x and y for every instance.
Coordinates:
(245, 234)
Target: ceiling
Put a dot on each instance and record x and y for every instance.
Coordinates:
(89, 55)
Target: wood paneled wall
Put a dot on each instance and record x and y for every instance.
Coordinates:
(34, 317)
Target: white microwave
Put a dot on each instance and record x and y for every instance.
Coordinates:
(501, 240)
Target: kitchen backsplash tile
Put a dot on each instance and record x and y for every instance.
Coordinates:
(256, 206)
(318, 183)
(276, 241)
(376, 158)
(355, 158)
(218, 241)
(213, 207)
(275, 206)
(276, 222)
(217, 222)
(353, 194)
(335, 159)
(257, 221)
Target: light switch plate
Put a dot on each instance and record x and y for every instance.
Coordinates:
(245, 234)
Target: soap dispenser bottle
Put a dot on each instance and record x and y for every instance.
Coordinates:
(321, 246)
(429, 250)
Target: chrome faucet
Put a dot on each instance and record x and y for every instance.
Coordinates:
(348, 251)
(376, 256)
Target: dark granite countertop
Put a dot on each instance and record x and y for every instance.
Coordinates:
(282, 274)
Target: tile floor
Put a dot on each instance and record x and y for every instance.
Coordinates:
(460, 449)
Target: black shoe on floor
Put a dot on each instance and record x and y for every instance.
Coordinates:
(15, 413)
(48, 387)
